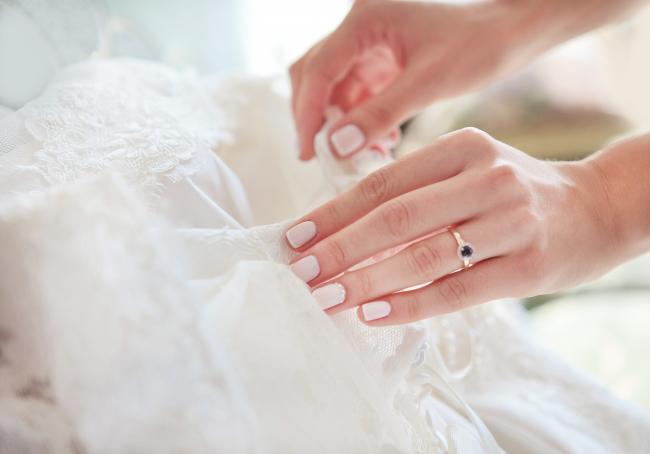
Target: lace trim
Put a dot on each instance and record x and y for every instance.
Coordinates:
(143, 120)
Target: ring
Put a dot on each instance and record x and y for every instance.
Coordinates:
(465, 250)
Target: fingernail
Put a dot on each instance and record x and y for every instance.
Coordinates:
(329, 295)
(375, 310)
(301, 233)
(306, 268)
(348, 139)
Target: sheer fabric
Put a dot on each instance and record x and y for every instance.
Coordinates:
(143, 308)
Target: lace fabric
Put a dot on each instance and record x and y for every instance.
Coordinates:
(197, 303)
(142, 120)
(113, 310)
(141, 320)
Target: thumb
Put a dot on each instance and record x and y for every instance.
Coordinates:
(376, 117)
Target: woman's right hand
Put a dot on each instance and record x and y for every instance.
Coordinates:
(390, 59)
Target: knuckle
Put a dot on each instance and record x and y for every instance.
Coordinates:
(366, 284)
(336, 253)
(424, 260)
(375, 188)
(475, 141)
(397, 218)
(503, 175)
(414, 309)
(474, 135)
(332, 213)
(488, 152)
(453, 293)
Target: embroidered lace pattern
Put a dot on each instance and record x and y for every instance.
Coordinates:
(139, 118)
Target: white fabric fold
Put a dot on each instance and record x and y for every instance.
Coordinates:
(141, 311)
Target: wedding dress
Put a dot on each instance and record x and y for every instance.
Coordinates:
(146, 305)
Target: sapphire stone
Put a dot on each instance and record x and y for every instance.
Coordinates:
(466, 251)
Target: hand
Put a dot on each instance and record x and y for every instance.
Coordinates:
(390, 59)
(535, 227)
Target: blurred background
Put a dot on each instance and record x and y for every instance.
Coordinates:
(569, 103)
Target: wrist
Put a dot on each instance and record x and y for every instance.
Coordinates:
(582, 222)
(620, 193)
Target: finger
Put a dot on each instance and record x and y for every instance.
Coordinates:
(420, 263)
(295, 74)
(350, 92)
(388, 142)
(436, 163)
(320, 72)
(398, 221)
(372, 72)
(381, 149)
(491, 279)
(377, 116)
(395, 136)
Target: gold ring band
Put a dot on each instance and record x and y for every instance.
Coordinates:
(465, 250)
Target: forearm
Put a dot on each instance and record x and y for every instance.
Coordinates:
(532, 27)
(623, 193)
(568, 19)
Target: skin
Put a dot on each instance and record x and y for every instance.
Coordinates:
(390, 59)
(537, 226)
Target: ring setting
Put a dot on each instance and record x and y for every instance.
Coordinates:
(465, 250)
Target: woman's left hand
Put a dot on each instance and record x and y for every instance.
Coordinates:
(533, 227)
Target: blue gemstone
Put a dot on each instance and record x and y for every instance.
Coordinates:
(466, 251)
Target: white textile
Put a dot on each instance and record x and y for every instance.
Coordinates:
(143, 308)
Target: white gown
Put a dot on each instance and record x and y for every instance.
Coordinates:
(146, 305)
(140, 312)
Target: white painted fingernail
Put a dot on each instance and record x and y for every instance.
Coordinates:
(348, 139)
(375, 310)
(306, 268)
(301, 233)
(329, 295)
